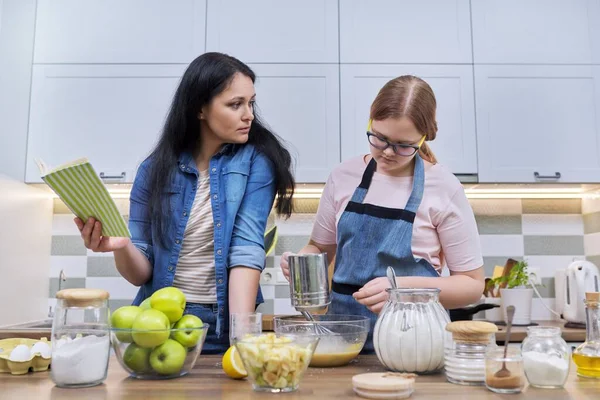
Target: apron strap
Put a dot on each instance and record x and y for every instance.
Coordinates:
(361, 191)
(418, 185)
(416, 195)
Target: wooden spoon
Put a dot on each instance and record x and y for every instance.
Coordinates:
(510, 313)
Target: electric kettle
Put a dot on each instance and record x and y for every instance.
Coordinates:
(580, 277)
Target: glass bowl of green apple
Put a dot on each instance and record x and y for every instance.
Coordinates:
(156, 340)
(276, 363)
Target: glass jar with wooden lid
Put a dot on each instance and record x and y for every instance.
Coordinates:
(80, 338)
(465, 355)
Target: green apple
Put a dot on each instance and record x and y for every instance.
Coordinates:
(188, 338)
(153, 327)
(137, 358)
(123, 318)
(146, 304)
(168, 358)
(170, 301)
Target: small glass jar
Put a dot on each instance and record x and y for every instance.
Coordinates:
(80, 338)
(546, 357)
(464, 357)
(504, 374)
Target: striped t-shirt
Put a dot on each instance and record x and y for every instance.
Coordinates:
(195, 272)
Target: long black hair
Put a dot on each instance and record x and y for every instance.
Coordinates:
(206, 77)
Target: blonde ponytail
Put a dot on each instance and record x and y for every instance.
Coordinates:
(427, 154)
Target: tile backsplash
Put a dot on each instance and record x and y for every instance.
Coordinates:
(548, 233)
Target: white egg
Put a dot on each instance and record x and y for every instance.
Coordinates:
(20, 353)
(42, 348)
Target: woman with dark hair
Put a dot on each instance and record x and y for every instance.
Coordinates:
(200, 202)
(397, 207)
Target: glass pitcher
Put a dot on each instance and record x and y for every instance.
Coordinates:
(587, 355)
(410, 334)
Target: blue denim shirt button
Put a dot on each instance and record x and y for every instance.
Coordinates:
(220, 280)
(177, 241)
(219, 252)
(218, 224)
(185, 214)
(170, 268)
(215, 197)
(214, 170)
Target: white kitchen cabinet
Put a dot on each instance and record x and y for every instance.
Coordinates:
(119, 31)
(270, 31)
(536, 31)
(301, 104)
(17, 21)
(112, 114)
(405, 31)
(536, 123)
(455, 144)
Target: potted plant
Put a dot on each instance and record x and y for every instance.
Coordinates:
(516, 290)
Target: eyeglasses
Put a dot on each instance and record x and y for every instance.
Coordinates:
(405, 150)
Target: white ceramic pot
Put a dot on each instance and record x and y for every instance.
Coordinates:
(494, 314)
(521, 299)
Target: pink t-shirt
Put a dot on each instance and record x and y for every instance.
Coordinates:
(444, 230)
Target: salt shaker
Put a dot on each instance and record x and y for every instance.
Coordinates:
(546, 357)
(465, 354)
(80, 338)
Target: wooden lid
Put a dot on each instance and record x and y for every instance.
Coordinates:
(82, 297)
(592, 296)
(384, 381)
(471, 331)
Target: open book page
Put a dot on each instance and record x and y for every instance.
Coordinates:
(45, 169)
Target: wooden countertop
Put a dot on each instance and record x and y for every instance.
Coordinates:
(207, 381)
(518, 333)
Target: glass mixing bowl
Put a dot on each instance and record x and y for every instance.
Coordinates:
(344, 343)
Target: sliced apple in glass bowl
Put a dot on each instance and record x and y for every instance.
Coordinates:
(152, 349)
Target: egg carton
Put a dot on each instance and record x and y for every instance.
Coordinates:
(37, 362)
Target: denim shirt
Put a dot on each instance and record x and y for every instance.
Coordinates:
(242, 191)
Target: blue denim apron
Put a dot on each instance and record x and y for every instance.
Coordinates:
(369, 239)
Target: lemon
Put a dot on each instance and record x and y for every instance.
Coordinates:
(232, 364)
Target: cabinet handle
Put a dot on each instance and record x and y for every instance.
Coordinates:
(122, 176)
(554, 177)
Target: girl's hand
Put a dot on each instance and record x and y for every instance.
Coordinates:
(284, 264)
(91, 233)
(373, 294)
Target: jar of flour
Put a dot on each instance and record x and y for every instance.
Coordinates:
(410, 334)
(80, 338)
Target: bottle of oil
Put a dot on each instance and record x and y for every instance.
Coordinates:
(587, 355)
